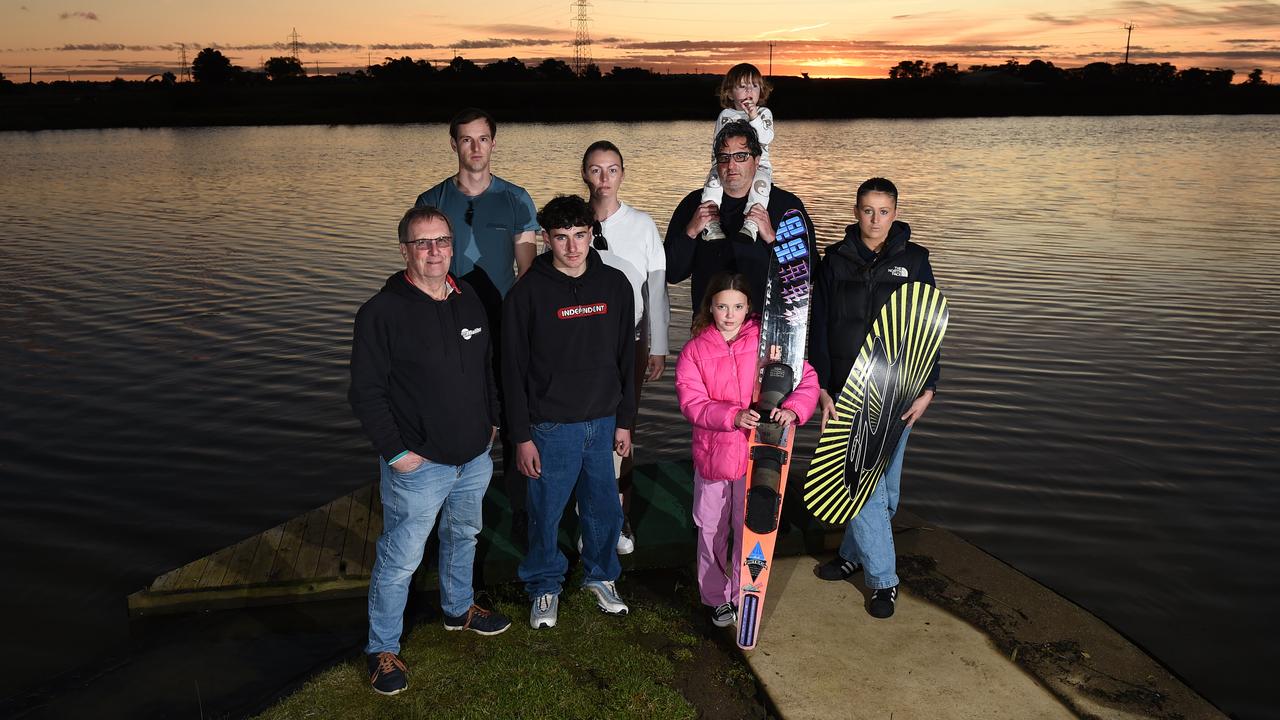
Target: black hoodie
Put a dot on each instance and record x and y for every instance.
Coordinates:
(421, 374)
(568, 347)
(852, 284)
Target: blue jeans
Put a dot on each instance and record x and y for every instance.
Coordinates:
(411, 502)
(868, 539)
(576, 458)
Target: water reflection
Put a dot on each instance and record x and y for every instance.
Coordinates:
(175, 311)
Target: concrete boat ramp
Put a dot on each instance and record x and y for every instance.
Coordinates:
(971, 638)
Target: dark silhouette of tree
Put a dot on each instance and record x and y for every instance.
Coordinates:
(907, 70)
(630, 73)
(1255, 77)
(553, 69)
(169, 78)
(943, 71)
(1196, 77)
(211, 66)
(591, 72)
(461, 68)
(509, 69)
(1039, 71)
(404, 69)
(284, 68)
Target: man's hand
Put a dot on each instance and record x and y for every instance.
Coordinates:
(761, 216)
(493, 436)
(528, 461)
(653, 370)
(622, 442)
(916, 411)
(407, 464)
(828, 409)
(705, 213)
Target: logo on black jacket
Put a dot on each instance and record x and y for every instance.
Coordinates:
(468, 334)
(577, 311)
(898, 271)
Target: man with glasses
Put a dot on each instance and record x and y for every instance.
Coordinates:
(737, 154)
(423, 388)
(495, 226)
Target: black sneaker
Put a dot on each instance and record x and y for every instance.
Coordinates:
(724, 615)
(387, 673)
(836, 569)
(478, 620)
(882, 602)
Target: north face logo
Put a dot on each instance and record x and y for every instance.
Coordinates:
(468, 334)
(898, 271)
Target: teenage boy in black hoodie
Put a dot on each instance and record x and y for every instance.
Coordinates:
(423, 388)
(568, 357)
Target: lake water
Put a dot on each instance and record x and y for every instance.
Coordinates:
(176, 306)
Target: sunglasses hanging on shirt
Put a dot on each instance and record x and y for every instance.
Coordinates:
(597, 232)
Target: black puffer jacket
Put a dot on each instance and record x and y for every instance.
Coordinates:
(852, 284)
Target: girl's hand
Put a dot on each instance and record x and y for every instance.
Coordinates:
(752, 110)
(746, 419)
(783, 416)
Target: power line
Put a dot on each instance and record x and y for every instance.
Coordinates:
(1129, 29)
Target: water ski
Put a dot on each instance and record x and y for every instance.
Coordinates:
(889, 374)
(784, 326)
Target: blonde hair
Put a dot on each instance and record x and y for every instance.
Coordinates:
(741, 73)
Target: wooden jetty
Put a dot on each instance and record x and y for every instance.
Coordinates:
(328, 552)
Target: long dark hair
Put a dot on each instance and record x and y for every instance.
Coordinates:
(719, 283)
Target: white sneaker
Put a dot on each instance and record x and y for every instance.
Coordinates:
(724, 615)
(712, 231)
(544, 611)
(626, 543)
(750, 231)
(606, 597)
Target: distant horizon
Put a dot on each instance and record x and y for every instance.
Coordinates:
(105, 39)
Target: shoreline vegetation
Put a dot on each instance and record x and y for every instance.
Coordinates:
(413, 91)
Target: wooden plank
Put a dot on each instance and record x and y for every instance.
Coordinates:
(351, 564)
(242, 557)
(191, 573)
(334, 534)
(265, 556)
(290, 544)
(165, 581)
(217, 569)
(312, 540)
(145, 603)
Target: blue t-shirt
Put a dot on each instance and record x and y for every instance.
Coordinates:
(501, 212)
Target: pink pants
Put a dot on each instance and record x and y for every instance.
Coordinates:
(718, 509)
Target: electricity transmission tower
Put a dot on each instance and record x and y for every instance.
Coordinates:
(293, 40)
(582, 38)
(1129, 29)
(184, 73)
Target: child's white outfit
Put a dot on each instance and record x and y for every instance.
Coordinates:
(762, 183)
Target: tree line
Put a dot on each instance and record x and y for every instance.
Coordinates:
(1098, 73)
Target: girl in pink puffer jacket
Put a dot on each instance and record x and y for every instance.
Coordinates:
(715, 379)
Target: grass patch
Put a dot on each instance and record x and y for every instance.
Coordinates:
(664, 660)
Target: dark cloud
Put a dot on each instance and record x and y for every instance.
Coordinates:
(718, 48)
(77, 14)
(1246, 41)
(105, 47)
(1146, 13)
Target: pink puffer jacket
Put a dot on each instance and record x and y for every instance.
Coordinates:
(714, 380)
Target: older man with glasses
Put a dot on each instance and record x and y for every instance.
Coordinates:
(495, 225)
(423, 388)
(736, 151)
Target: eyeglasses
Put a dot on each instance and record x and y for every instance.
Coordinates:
(598, 242)
(471, 213)
(723, 158)
(444, 242)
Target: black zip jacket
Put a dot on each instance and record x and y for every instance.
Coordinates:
(568, 347)
(701, 259)
(852, 284)
(421, 374)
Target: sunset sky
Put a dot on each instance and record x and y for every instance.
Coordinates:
(101, 39)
